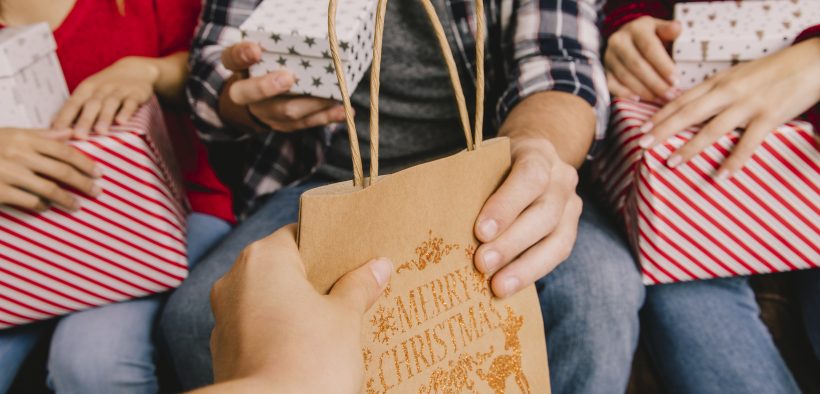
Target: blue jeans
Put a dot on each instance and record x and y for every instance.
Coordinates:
(106, 349)
(707, 336)
(590, 304)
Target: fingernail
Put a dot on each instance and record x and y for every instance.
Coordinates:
(491, 259)
(646, 141)
(674, 161)
(488, 228)
(671, 94)
(647, 126)
(245, 54)
(75, 206)
(96, 191)
(675, 80)
(381, 269)
(635, 98)
(722, 175)
(101, 128)
(509, 286)
(97, 172)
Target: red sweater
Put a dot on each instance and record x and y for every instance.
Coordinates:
(94, 35)
(620, 12)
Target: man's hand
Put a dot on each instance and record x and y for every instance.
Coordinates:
(757, 96)
(275, 332)
(637, 64)
(248, 102)
(529, 225)
(34, 166)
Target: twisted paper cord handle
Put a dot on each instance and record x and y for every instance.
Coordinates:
(441, 37)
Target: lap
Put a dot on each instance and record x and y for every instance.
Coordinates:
(707, 336)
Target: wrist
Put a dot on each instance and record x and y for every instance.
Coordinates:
(565, 121)
(143, 66)
(235, 115)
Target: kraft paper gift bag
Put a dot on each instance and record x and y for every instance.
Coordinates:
(437, 328)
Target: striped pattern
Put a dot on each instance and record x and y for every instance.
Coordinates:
(128, 243)
(683, 225)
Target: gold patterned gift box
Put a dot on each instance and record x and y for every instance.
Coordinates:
(293, 36)
(718, 35)
(32, 86)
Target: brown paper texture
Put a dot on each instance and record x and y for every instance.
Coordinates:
(437, 328)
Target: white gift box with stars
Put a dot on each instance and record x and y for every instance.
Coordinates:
(293, 36)
(32, 86)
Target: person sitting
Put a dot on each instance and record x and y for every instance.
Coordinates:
(115, 56)
(548, 87)
(707, 336)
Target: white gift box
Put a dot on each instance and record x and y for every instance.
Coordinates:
(293, 36)
(32, 86)
(718, 35)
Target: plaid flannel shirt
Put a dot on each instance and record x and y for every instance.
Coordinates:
(533, 46)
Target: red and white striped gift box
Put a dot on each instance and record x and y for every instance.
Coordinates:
(684, 225)
(125, 244)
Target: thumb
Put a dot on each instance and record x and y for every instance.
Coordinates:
(360, 288)
(668, 30)
(241, 56)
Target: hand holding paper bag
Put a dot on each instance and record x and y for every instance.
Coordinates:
(438, 327)
(293, 331)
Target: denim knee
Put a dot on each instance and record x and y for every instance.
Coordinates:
(590, 306)
(599, 287)
(106, 350)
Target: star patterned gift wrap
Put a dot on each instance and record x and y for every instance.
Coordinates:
(718, 35)
(32, 86)
(293, 36)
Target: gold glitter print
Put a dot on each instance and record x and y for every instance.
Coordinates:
(429, 252)
(455, 379)
(384, 324)
(431, 335)
(503, 366)
(470, 252)
(481, 283)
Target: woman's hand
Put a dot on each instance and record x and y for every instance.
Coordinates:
(34, 166)
(759, 95)
(109, 96)
(637, 64)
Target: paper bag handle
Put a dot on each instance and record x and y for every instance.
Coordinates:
(472, 142)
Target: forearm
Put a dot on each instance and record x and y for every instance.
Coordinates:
(172, 72)
(566, 120)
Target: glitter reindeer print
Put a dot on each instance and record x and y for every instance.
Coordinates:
(508, 364)
(456, 379)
